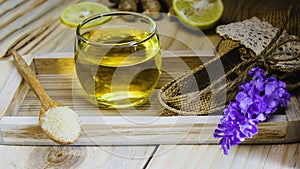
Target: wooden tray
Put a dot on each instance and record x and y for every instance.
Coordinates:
(142, 126)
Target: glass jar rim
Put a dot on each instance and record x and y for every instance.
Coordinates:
(152, 31)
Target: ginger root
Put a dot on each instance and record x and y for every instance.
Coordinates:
(138, 5)
(128, 5)
(150, 6)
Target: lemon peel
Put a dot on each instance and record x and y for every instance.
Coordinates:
(203, 14)
(76, 13)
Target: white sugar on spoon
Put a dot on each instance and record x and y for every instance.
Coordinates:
(59, 122)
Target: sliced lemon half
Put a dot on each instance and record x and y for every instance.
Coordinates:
(203, 14)
(76, 13)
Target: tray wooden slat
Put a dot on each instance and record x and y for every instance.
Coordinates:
(12, 86)
(136, 130)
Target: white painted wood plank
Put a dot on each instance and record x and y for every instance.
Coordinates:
(211, 156)
(107, 157)
(12, 92)
(134, 130)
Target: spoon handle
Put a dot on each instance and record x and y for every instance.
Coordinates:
(30, 78)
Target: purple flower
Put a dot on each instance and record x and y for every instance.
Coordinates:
(235, 127)
(244, 101)
(257, 72)
(256, 100)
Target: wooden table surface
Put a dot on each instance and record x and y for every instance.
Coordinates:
(24, 17)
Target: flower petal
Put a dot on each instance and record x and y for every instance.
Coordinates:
(255, 102)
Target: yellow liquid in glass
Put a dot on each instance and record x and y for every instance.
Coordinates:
(120, 75)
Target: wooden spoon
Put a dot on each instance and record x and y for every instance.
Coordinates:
(59, 122)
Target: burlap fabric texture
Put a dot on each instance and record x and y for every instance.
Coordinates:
(198, 93)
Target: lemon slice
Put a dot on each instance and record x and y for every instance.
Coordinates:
(76, 13)
(200, 13)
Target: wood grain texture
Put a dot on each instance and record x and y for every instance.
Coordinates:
(13, 89)
(62, 84)
(137, 130)
(105, 157)
(239, 10)
(34, 15)
(242, 156)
